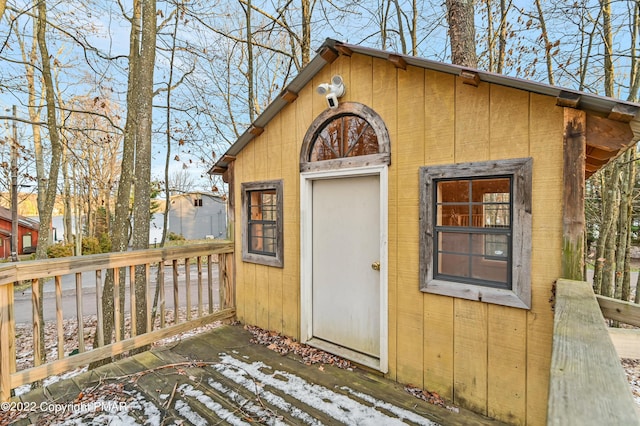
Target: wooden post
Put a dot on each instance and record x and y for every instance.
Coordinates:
(116, 304)
(573, 220)
(60, 316)
(187, 285)
(38, 349)
(199, 266)
(79, 311)
(210, 281)
(161, 301)
(176, 304)
(225, 270)
(132, 300)
(7, 345)
(99, 340)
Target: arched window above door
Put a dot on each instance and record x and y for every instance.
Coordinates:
(352, 135)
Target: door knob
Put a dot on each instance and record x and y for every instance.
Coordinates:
(375, 266)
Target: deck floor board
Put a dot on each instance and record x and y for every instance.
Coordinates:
(219, 377)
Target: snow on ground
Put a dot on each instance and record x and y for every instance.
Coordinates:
(336, 405)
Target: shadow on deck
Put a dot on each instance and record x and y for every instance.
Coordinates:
(218, 377)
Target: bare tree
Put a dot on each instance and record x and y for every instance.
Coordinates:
(47, 188)
(462, 33)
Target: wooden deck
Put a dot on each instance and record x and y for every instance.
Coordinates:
(219, 377)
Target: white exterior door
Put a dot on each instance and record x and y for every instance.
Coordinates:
(345, 249)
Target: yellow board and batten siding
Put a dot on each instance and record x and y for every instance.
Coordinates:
(490, 358)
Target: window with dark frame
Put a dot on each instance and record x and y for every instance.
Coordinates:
(263, 214)
(262, 238)
(475, 231)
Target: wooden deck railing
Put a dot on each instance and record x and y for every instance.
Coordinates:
(619, 310)
(191, 267)
(587, 382)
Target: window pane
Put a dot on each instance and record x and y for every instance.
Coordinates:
(359, 137)
(262, 238)
(344, 136)
(490, 270)
(496, 201)
(496, 246)
(452, 215)
(454, 242)
(454, 264)
(450, 191)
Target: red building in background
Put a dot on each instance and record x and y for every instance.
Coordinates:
(27, 234)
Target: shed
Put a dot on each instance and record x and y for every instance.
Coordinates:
(413, 216)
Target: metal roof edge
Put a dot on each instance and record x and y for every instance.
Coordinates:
(588, 101)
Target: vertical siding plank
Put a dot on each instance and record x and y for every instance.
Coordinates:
(507, 338)
(509, 123)
(360, 88)
(249, 175)
(472, 122)
(274, 170)
(409, 159)
(262, 296)
(507, 364)
(383, 101)
(275, 299)
(470, 363)
(438, 344)
(439, 118)
(546, 148)
(241, 296)
(260, 145)
(250, 292)
(470, 321)
(299, 114)
(438, 310)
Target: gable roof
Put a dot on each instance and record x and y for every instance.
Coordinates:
(23, 221)
(331, 49)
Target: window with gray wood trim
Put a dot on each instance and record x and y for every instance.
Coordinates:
(262, 239)
(475, 231)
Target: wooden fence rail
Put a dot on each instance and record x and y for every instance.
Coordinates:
(587, 383)
(144, 273)
(619, 310)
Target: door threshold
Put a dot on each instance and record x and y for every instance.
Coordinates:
(355, 356)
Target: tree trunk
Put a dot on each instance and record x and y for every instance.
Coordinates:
(306, 32)
(121, 223)
(607, 37)
(631, 183)
(607, 220)
(612, 200)
(462, 33)
(623, 250)
(545, 37)
(48, 196)
(142, 187)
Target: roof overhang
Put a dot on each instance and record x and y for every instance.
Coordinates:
(601, 109)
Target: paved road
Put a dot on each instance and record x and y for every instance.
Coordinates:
(23, 307)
